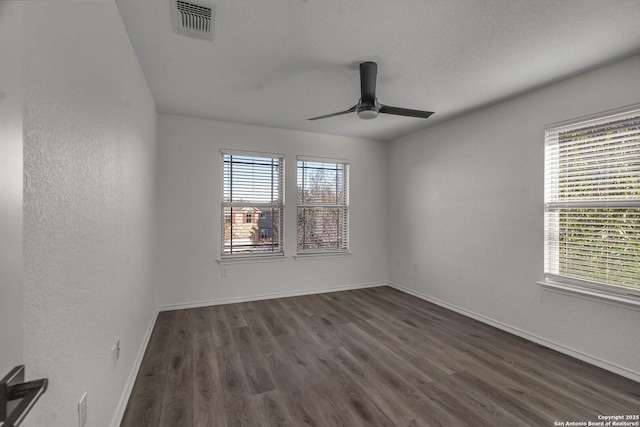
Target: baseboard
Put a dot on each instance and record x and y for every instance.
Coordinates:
(169, 307)
(627, 373)
(124, 399)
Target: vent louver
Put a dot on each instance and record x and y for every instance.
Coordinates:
(192, 20)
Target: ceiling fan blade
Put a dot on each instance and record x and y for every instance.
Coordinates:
(405, 112)
(350, 110)
(368, 75)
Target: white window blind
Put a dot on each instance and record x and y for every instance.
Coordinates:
(252, 204)
(592, 202)
(323, 206)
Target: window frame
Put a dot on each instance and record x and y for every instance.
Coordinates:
(343, 205)
(230, 204)
(563, 282)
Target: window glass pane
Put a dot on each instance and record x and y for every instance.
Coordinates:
(598, 245)
(322, 228)
(251, 179)
(323, 217)
(602, 167)
(321, 183)
(252, 204)
(592, 201)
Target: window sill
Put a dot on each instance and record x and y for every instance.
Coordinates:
(248, 259)
(315, 255)
(620, 300)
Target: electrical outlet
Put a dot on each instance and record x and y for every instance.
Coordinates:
(397, 263)
(223, 272)
(416, 268)
(82, 411)
(115, 351)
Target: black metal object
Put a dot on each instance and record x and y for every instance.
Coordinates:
(368, 106)
(368, 76)
(18, 397)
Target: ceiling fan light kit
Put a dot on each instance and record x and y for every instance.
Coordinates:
(368, 106)
(368, 112)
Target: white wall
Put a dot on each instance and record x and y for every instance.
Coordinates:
(10, 188)
(189, 213)
(89, 207)
(466, 209)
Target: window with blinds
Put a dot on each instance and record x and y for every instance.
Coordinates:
(592, 202)
(323, 206)
(252, 204)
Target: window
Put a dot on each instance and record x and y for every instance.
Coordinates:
(592, 202)
(265, 233)
(323, 206)
(252, 183)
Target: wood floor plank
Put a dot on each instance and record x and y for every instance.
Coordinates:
(382, 312)
(234, 316)
(221, 331)
(270, 318)
(234, 383)
(343, 303)
(514, 405)
(397, 409)
(286, 318)
(272, 410)
(303, 314)
(346, 389)
(264, 339)
(308, 359)
(327, 336)
(177, 405)
(545, 400)
(256, 372)
(241, 411)
(433, 369)
(380, 358)
(358, 358)
(404, 381)
(301, 404)
(181, 337)
(326, 312)
(208, 405)
(202, 317)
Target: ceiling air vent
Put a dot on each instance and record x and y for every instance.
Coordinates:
(192, 20)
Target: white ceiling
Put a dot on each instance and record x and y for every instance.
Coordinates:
(278, 62)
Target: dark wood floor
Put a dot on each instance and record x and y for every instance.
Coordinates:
(359, 358)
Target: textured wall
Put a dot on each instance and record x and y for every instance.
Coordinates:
(89, 207)
(471, 217)
(10, 187)
(189, 213)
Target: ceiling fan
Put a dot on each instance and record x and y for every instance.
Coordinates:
(368, 106)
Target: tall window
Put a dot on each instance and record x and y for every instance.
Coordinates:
(323, 206)
(252, 204)
(592, 202)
